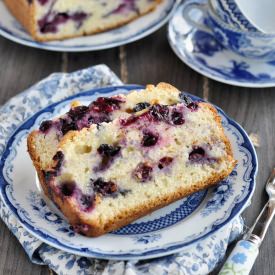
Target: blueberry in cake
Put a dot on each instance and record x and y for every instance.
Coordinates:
(138, 153)
(59, 19)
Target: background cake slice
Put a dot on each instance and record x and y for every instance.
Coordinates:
(59, 19)
(103, 177)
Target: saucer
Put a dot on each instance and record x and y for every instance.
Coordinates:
(201, 51)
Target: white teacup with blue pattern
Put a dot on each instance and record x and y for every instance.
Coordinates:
(249, 44)
(229, 12)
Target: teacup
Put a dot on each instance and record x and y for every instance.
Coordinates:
(229, 12)
(248, 44)
(260, 14)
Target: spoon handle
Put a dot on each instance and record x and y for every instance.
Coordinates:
(241, 259)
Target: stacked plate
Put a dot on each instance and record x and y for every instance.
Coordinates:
(164, 232)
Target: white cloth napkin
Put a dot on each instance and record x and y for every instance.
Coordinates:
(199, 258)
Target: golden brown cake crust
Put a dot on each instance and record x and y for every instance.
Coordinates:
(24, 13)
(94, 229)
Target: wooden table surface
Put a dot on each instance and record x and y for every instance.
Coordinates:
(149, 60)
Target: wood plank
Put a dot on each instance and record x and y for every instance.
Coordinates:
(254, 110)
(77, 61)
(20, 68)
(151, 60)
(13, 259)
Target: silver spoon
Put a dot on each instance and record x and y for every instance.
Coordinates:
(243, 256)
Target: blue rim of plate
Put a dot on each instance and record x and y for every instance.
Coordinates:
(51, 47)
(237, 209)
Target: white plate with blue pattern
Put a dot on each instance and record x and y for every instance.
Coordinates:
(135, 30)
(163, 232)
(203, 53)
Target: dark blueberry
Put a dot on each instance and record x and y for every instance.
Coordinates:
(188, 102)
(149, 139)
(159, 112)
(67, 188)
(155, 112)
(143, 172)
(104, 187)
(197, 154)
(67, 125)
(58, 157)
(184, 98)
(61, 18)
(42, 2)
(165, 161)
(86, 202)
(78, 112)
(78, 16)
(108, 150)
(177, 118)
(141, 106)
(99, 119)
(45, 126)
(106, 104)
(193, 106)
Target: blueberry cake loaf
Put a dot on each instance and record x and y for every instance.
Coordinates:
(152, 152)
(59, 19)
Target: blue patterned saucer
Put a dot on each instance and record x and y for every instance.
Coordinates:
(163, 232)
(201, 51)
(147, 24)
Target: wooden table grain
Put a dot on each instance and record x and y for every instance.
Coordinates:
(149, 60)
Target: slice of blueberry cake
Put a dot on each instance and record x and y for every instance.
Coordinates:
(59, 19)
(109, 174)
(43, 143)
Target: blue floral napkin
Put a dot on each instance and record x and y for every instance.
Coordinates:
(199, 258)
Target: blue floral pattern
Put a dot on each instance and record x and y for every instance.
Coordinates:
(235, 17)
(206, 53)
(221, 193)
(147, 238)
(239, 258)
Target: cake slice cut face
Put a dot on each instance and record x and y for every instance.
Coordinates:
(105, 176)
(59, 19)
(44, 142)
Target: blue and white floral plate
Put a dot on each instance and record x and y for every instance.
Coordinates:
(201, 51)
(135, 30)
(163, 232)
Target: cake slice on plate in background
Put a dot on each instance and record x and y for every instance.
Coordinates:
(49, 20)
